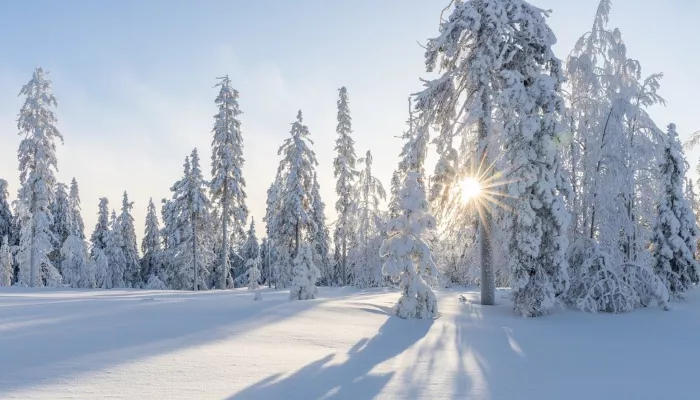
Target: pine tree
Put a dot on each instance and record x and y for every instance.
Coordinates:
(132, 271)
(345, 173)
(5, 211)
(5, 263)
(37, 166)
(319, 236)
(151, 246)
(675, 231)
(408, 256)
(228, 185)
(305, 275)
(76, 217)
(101, 231)
(116, 261)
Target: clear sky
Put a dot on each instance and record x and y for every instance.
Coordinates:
(134, 79)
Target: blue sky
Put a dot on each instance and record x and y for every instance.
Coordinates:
(134, 79)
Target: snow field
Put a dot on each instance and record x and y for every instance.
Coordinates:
(126, 344)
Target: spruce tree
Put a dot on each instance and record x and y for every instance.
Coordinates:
(101, 231)
(114, 250)
(254, 275)
(305, 275)
(295, 172)
(132, 271)
(318, 236)
(408, 257)
(5, 263)
(151, 246)
(228, 184)
(345, 174)
(469, 55)
(77, 269)
(251, 247)
(76, 217)
(5, 211)
(530, 106)
(675, 231)
(187, 230)
(62, 221)
(37, 166)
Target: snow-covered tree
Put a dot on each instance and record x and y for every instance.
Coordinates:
(251, 247)
(529, 104)
(318, 235)
(100, 264)
(305, 275)
(5, 211)
(101, 231)
(254, 275)
(228, 185)
(37, 166)
(408, 257)
(116, 260)
(675, 231)
(345, 174)
(76, 216)
(76, 268)
(294, 216)
(132, 271)
(275, 267)
(265, 262)
(474, 54)
(62, 215)
(187, 222)
(151, 246)
(613, 143)
(5, 262)
(368, 227)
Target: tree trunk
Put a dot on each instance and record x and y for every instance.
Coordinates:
(488, 279)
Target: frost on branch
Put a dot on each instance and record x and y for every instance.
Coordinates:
(305, 275)
(600, 285)
(408, 257)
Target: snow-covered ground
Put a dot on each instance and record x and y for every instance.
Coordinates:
(57, 344)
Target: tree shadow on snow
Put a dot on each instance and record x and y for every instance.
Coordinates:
(350, 379)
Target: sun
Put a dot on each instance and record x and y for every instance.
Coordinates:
(470, 188)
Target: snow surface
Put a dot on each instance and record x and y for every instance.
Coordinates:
(68, 343)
